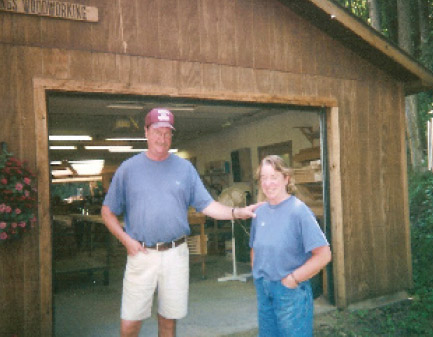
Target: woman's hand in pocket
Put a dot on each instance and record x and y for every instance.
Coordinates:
(289, 282)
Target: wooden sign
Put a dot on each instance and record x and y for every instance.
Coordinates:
(53, 9)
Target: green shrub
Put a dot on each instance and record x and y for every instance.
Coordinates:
(421, 199)
(420, 317)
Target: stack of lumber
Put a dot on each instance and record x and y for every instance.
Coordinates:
(308, 174)
(308, 180)
(306, 155)
(194, 245)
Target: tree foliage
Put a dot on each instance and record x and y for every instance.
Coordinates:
(421, 14)
(389, 17)
(356, 7)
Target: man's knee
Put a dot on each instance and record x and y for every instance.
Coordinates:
(130, 328)
(166, 327)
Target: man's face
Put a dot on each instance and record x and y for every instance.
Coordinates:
(158, 141)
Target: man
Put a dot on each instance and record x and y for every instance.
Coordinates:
(153, 191)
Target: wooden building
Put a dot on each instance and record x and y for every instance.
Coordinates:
(303, 54)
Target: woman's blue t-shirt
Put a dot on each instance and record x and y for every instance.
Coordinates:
(282, 237)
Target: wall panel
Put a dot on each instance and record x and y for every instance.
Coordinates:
(150, 71)
(189, 30)
(261, 34)
(56, 63)
(19, 282)
(147, 29)
(53, 32)
(26, 29)
(211, 78)
(102, 66)
(81, 65)
(226, 31)
(128, 27)
(189, 77)
(168, 74)
(244, 33)
(364, 182)
(229, 79)
(168, 29)
(349, 171)
(8, 94)
(374, 175)
(6, 28)
(209, 40)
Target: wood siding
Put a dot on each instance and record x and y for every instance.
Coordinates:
(244, 49)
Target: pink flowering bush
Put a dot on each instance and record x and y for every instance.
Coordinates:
(17, 197)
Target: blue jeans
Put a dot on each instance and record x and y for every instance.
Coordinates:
(284, 312)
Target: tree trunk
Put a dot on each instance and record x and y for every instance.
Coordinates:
(406, 43)
(423, 18)
(373, 10)
(404, 26)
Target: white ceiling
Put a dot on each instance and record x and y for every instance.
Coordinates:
(111, 116)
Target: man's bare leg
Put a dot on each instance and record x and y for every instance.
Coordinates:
(129, 328)
(166, 327)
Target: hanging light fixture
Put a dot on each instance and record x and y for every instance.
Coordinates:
(88, 167)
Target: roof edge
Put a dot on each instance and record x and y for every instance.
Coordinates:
(423, 77)
(374, 38)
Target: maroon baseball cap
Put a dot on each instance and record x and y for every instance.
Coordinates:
(159, 118)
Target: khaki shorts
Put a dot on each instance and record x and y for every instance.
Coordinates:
(167, 271)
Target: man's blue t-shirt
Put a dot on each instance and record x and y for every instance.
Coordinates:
(154, 197)
(282, 237)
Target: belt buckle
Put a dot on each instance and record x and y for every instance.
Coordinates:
(158, 244)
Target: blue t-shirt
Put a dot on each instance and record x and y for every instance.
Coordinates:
(283, 237)
(154, 197)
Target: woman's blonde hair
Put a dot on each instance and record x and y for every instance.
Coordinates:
(278, 165)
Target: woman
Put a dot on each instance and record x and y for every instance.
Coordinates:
(287, 249)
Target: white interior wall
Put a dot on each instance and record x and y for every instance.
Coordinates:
(270, 130)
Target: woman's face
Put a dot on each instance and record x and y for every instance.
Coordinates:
(273, 184)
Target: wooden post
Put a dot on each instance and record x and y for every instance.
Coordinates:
(405, 190)
(336, 202)
(44, 219)
(203, 248)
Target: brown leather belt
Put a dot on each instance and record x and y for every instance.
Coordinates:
(161, 246)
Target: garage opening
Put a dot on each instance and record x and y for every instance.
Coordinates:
(91, 134)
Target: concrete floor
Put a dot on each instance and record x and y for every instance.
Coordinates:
(84, 307)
